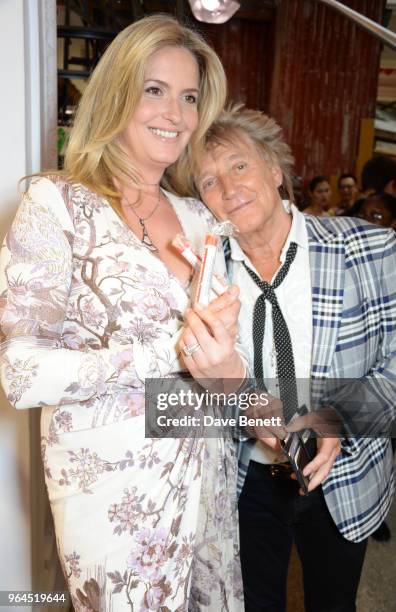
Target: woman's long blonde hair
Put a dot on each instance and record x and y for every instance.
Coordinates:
(93, 155)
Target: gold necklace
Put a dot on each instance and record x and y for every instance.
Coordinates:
(146, 240)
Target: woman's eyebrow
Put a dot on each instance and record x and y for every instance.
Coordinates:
(153, 80)
(165, 84)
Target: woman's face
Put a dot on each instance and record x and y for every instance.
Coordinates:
(321, 195)
(167, 113)
(375, 211)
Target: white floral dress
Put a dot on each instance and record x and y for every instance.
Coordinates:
(87, 313)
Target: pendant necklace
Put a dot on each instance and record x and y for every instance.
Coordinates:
(146, 240)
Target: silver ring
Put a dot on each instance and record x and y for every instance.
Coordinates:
(189, 350)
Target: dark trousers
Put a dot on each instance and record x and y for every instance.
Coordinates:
(272, 515)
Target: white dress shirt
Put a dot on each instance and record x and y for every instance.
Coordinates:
(294, 296)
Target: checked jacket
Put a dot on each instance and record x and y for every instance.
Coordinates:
(353, 279)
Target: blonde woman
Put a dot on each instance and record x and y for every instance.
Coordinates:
(93, 301)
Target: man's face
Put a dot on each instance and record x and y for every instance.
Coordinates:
(348, 190)
(238, 185)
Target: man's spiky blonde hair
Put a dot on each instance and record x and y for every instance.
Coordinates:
(236, 123)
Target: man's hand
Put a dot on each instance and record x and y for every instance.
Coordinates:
(319, 468)
(271, 409)
(325, 422)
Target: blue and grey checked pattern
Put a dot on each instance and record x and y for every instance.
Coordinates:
(353, 278)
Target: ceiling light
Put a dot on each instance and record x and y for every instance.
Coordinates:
(214, 11)
(210, 5)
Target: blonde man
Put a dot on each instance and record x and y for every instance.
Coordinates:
(318, 304)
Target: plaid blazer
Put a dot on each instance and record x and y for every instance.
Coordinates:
(353, 278)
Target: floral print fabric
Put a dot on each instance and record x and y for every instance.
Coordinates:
(87, 313)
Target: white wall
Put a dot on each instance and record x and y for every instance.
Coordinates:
(20, 154)
(15, 553)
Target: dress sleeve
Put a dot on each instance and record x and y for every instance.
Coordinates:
(36, 266)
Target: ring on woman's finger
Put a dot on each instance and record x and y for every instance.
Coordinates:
(189, 350)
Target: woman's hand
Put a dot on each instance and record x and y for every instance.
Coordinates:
(208, 340)
(227, 307)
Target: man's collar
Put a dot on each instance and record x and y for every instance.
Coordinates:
(298, 231)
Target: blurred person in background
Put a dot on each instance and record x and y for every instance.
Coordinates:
(378, 176)
(299, 199)
(320, 196)
(379, 208)
(348, 191)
